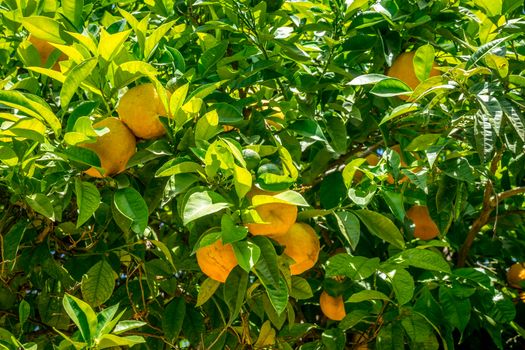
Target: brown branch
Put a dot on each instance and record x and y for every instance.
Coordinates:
(484, 216)
(507, 194)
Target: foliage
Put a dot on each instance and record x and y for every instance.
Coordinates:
(292, 97)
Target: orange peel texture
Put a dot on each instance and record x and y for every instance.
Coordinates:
(516, 275)
(302, 245)
(277, 217)
(114, 148)
(217, 260)
(139, 108)
(425, 227)
(332, 307)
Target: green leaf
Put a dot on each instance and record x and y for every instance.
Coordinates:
(403, 285)
(485, 136)
(11, 243)
(82, 315)
(492, 8)
(32, 106)
(88, 200)
(484, 49)
(152, 41)
(112, 341)
(74, 78)
(349, 226)
(420, 332)
(424, 61)
(44, 28)
(81, 155)
(300, 288)
(334, 339)
(131, 204)
(211, 56)
(234, 297)
(267, 267)
(200, 204)
(127, 325)
(175, 166)
(24, 310)
(41, 203)
(456, 311)
(98, 283)
(390, 87)
(177, 98)
(390, 337)
(110, 44)
(230, 231)
(242, 180)
(173, 318)
(288, 197)
(381, 226)
(247, 254)
(404, 109)
(368, 79)
(365, 295)
(424, 259)
(356, 268)
(73, 11)
(353, 318)
(207, 126)
(8, 156)
(206, 290)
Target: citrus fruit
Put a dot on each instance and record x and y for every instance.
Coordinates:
(251, 157)
(114, 148)
(302, 245)
(140, 108)
(217, 260)
(403, 69)
(516, 275)
(277, 219)
(424, 227)
(45, 50)
(332, 307)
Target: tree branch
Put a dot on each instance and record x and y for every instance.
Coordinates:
(484, 216)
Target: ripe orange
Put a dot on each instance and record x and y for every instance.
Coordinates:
(302, 245)
(403, 69)
(140, 108)
(114, 148)
(425, 227)
(516, 275)
(277, 217)
(217, 260)
(332, 307)
(45, 50)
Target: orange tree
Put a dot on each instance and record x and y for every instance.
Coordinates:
(260, 155)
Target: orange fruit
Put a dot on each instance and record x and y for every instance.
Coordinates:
(139, 108)
(516, 274)
(217, 260)
(114, 148)
(403, 69)
(332, 307)
(45, 50)
(277, 217)
(425, 228)
(302, 245)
